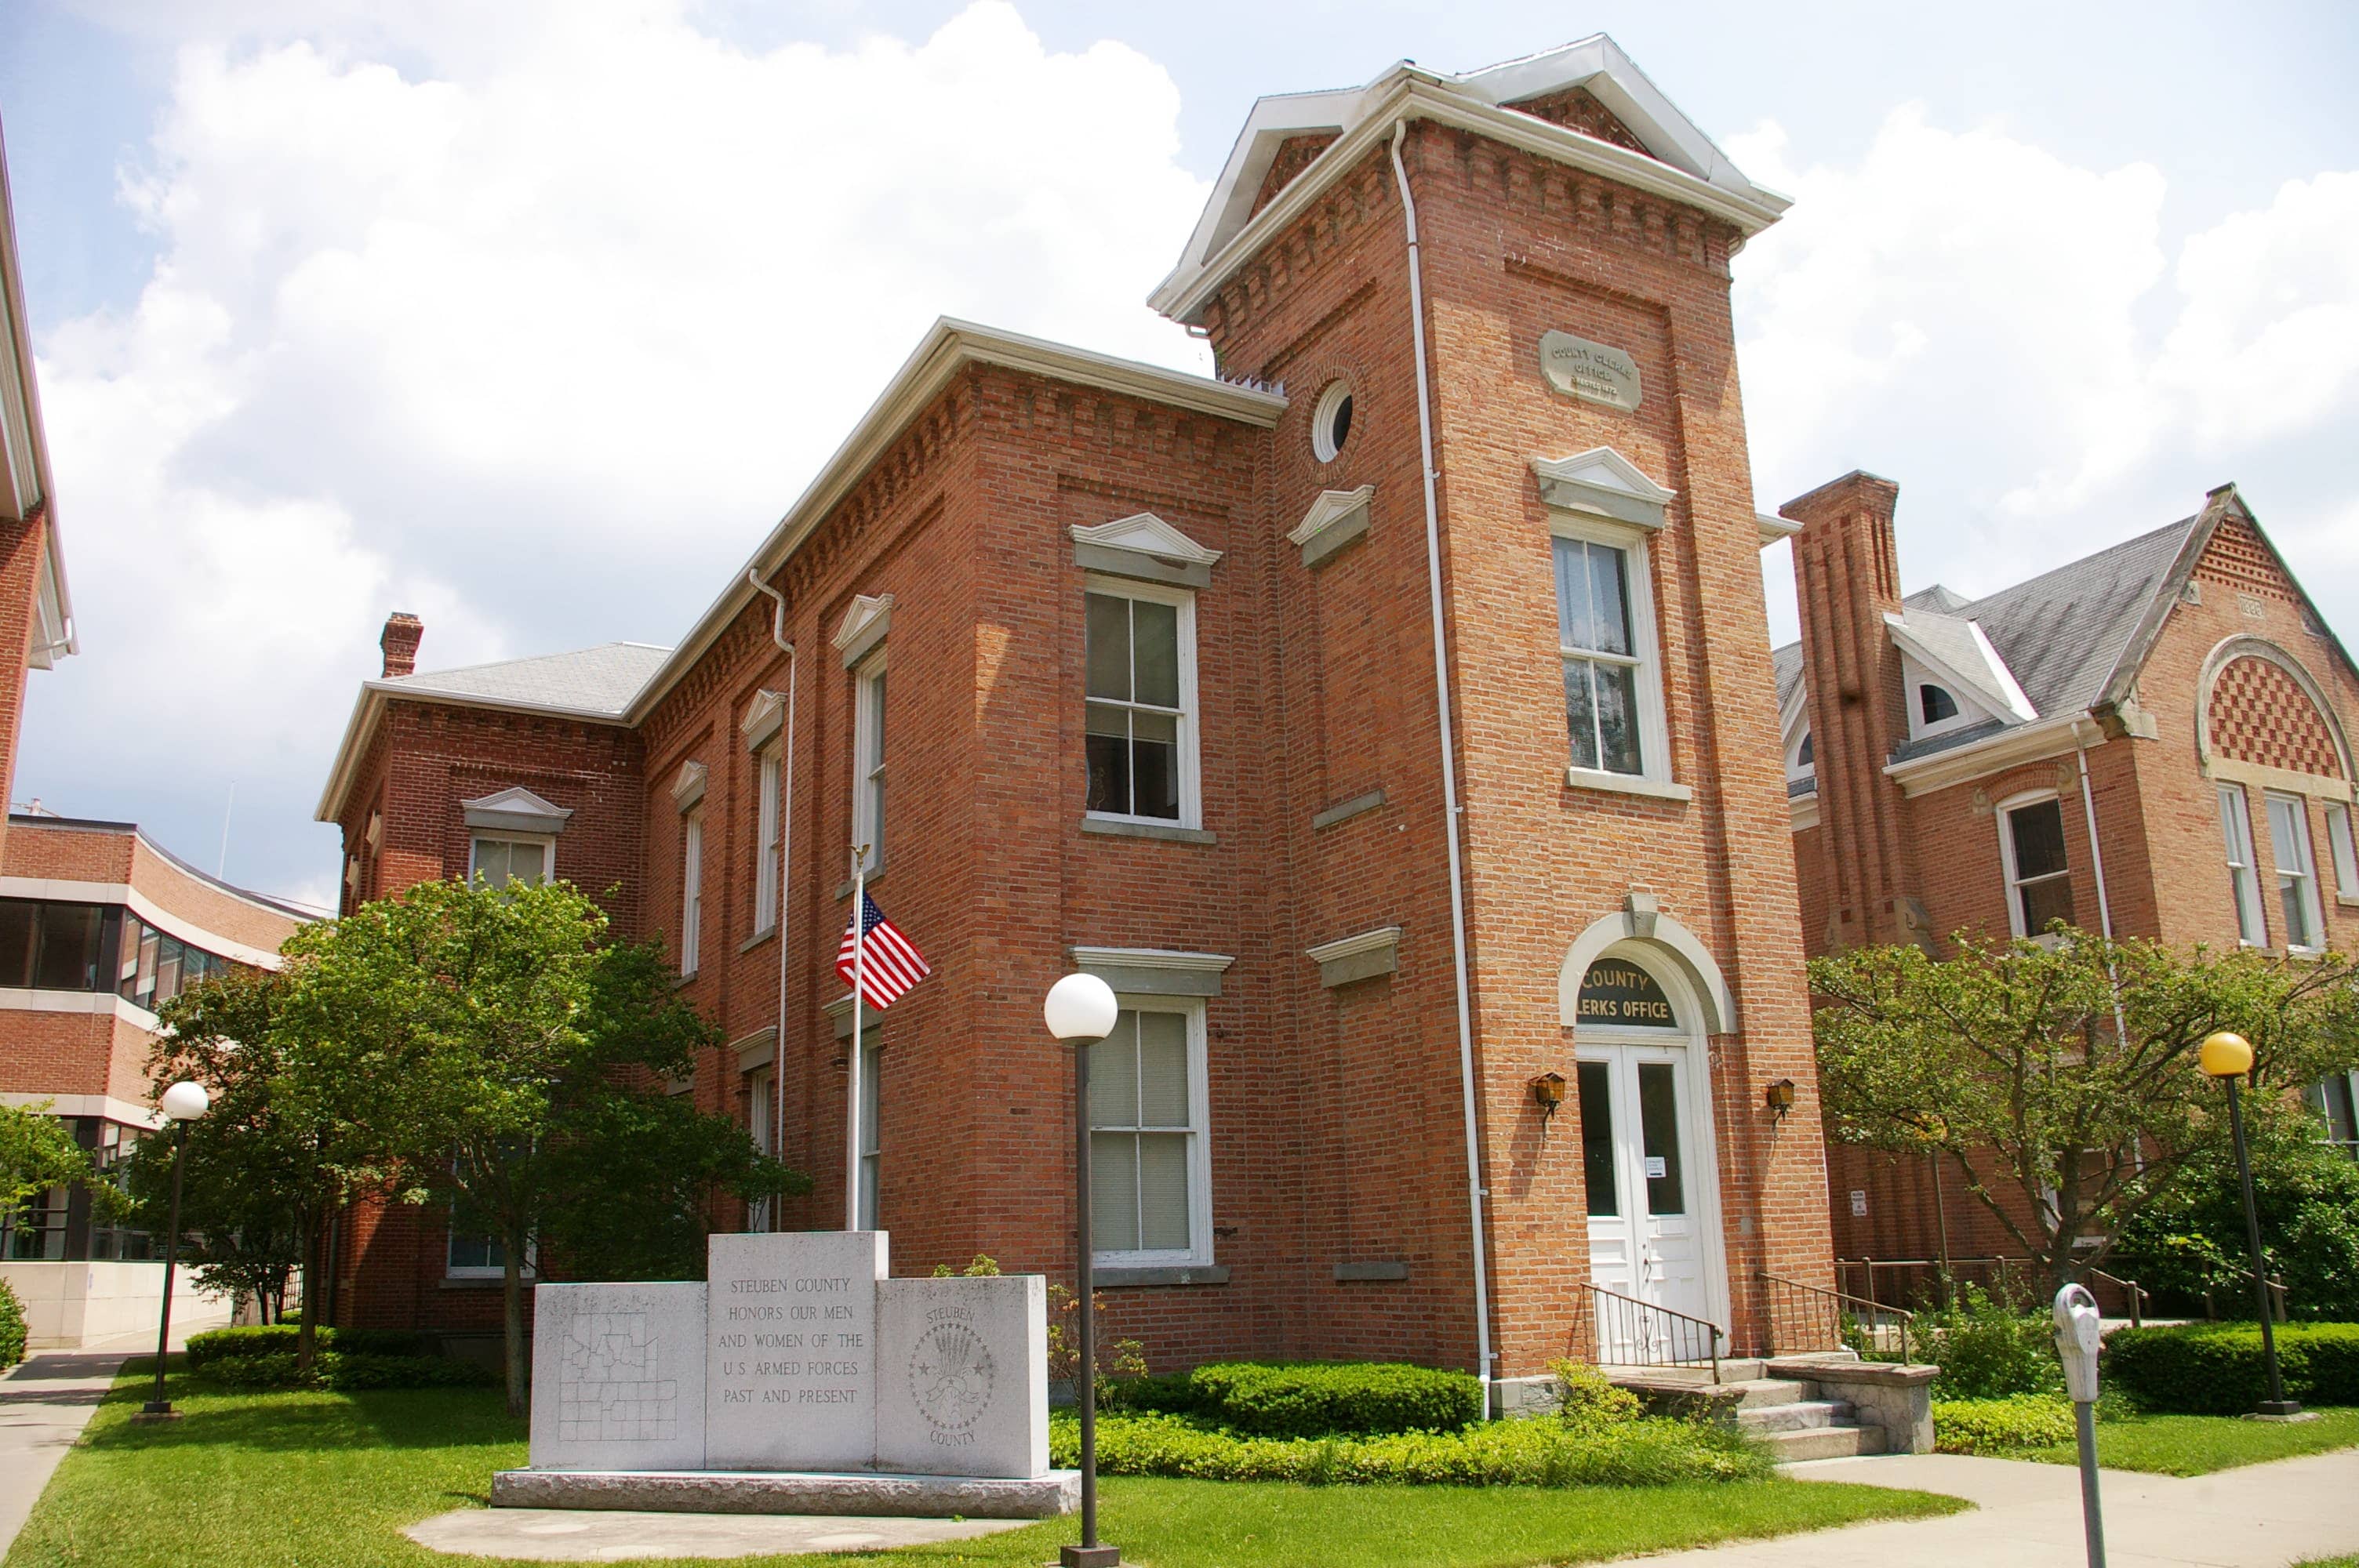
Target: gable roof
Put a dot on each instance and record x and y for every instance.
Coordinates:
(1681, 162)
(588, 683)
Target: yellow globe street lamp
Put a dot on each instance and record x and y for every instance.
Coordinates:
(2228, 1057)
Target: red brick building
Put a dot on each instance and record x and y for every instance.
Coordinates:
(1385, 718)
(2149, 741)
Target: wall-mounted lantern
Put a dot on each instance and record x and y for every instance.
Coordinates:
(1547, 1093)
(1779, 1097)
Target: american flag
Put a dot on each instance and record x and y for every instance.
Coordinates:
(892, 963)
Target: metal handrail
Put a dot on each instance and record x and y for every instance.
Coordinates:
(2129, 1288)
(2136, 1293)
(1840, 1302)
(2277, 1294)
(1681, 1326)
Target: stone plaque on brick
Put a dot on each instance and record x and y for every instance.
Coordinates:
(791, 1364)
(1594, 372)
(618, 1376)
(962, 1377)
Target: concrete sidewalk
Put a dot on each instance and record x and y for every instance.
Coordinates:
(2028, 1515)
(44, 1404)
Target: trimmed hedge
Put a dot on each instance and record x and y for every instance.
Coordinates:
(346, 1370)
(2218, 1368)
(1311, 1398)
(1996, 1426)
(280, 1338)
(12, 1326)
(1536, 1453)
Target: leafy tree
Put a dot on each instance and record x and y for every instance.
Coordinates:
(2058, 1077)
(2192, 1240)
(287, 1139)
(514, 1054)
(38, 1152)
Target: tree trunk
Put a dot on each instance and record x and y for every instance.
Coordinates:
(519, 1377)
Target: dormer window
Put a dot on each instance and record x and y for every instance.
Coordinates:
(1806, 759)
(1935, 703)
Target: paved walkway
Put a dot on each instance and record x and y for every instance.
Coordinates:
(44, 1404)
(576, 1535)
(2028, 1515)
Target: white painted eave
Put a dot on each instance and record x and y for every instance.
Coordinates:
(2006, 749)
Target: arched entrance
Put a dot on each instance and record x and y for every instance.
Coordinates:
(1647, 1150)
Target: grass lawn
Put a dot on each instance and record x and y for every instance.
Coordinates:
(321, 1480)
(2199, 1445)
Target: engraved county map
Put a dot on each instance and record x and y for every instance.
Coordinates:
(605, 1390)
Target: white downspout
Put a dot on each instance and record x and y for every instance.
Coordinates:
(785, 861)
(1474, 1189)
(2096, 850)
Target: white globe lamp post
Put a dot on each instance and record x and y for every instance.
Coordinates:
(183, 1103)
(1081, 1010)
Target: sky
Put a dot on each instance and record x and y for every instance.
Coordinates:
(532, 317)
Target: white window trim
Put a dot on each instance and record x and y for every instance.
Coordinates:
(1192, 813)
(530, 1269)
(2343, 850)
(1654, 730)
(767, 773)
(1199, 1252)
(691, 890)
(547, 845)
(2307, 869)
(2245, 876)
(2004, 814)
(1915, 675)
(872, 1118)
(867, 759)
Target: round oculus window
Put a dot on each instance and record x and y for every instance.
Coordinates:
(1331, 423)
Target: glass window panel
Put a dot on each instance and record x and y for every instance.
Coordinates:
(1155, 764)
(1936, 704)
(1162, 1069)
(151, 956)
(1574, 608)
(1597, 1138)
(2236, 833)
(2345, 852)
(1617, 718)
(876, 719)
(1659, 1124)
(1581, 712)
(2334, 1101)
(1113, 1192)
(20, 931)
(1109, 760)
(1155, 632)
(1107, 634)
(1163, 1192)
(126, 966)
(2038, 839)
(168, 969)
(2045, 903)
(1609, 589)
(69, 959)
(1113, 1075)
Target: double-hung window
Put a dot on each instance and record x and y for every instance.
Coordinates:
(1149, 1190)
(761, 1124)
(1140, 714)
(2039, 876)
(500, 861)
(766, 771)
(868, 761)
(2297, 871)
(691, 890)
(2244, 879)
(1605, 638)
(871, 1146)
(2346, 854)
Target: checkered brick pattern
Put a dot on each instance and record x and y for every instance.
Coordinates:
(2259, 715)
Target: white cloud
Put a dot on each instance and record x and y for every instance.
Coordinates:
(2012, 338)
(534, 331)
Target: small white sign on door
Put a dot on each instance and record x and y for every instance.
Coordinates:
(1656, 1168)
(1858, 1202)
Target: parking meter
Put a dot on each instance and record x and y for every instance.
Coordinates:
(2080, 1335)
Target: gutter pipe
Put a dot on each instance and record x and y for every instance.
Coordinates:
(785, 861)
(1475, 1192)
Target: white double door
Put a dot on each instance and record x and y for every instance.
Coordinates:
(1650, 1176)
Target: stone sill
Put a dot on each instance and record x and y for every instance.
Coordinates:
(756, 939)
(1114, 828)
(492, 1284)
(1166, 1274)
(1625, 783)
(843, 889)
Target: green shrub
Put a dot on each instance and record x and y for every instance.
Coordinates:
(1314, 1398)
(1995, 1426)
(2218, 1368)
(346, 1370)
(1585, 1398)
(1643, 1453)
(280, 1338)
(1987, 1349)
(12, 1326)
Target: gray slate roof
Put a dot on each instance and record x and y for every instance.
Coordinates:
(2061, 633)
(600, 680)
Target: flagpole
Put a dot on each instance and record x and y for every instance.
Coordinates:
(852, 1116)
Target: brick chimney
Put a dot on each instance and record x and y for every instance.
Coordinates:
(403, 632)
(1846, 580)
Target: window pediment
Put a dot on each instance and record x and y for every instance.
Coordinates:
(1603, 482)
(687, 785)
(514, 810)
(864, 626)
(764, 715)
(1143, 545)
(1334, 520)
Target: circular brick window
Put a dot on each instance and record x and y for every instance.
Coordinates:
(1331, 422)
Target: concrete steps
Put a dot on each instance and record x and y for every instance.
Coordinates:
(1788, 1414)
